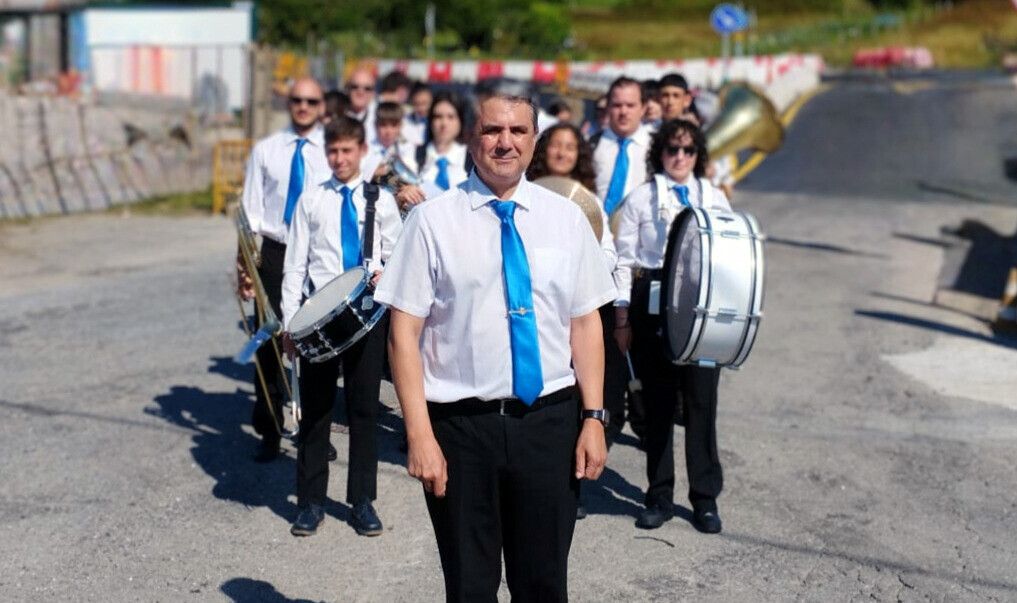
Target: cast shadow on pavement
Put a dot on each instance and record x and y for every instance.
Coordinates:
(612, 494)
(223, 450)
(937, 326)
(827, 247)
(249, 589)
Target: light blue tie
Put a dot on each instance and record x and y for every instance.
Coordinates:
(616, 190)
(527, 377)
(348, 230)
(442, 179)
(683, 194)
(296, 184)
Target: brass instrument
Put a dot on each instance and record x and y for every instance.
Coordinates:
(747, 120)
(248, 260)
(399, 175)
(580, 195)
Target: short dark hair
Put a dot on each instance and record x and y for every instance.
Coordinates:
(651, 90)
(514, 92)
(388, 112)
(393, 81)
(675, 80)
(622, 82)
(344, 128)
(419, 87)
(556, 107)
(668, 130)
(336, 103)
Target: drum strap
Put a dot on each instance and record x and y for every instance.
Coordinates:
(370, 197)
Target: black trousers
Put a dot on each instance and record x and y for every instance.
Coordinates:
(271, 273)
(361, 365)
(664, 386)
(511, 489)
(616, 378)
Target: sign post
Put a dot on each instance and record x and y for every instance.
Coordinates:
(727, 19)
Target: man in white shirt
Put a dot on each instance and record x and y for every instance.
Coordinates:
(387, 125)
(281, 167)
(494, 289)
(325, 241)
(361, 89)
(617, 174)
(415, 122)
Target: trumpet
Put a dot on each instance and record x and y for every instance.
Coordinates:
(248, 260)
(399, 174)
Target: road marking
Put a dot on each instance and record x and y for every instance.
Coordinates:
(789, 115)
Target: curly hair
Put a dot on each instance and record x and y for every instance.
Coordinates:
(668, 130)
(583, 170)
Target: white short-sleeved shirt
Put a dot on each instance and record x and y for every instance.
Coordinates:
(267, 180)
(456, 156)
(314, 249)
(644, 222)
(447, 269)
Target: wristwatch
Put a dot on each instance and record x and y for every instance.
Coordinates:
(600, 414)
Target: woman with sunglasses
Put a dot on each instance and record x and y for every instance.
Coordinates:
(677, 159)
(442, 162)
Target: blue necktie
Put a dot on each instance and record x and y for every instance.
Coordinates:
(527, 377)
(296, 185)
(348, 230)
(616, 190)
(442, 179)
(683, 194)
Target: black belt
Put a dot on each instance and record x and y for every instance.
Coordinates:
(652, 273)
(503, 406)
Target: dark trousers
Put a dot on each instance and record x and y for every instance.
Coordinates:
(511, 489)
(271, 273)
(616, 378)
(361, 365)
(664, 386)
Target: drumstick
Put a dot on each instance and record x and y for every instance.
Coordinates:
(635, 385)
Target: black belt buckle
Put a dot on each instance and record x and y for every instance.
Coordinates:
(502, 406)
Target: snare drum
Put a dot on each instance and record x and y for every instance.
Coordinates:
(336, 316)
(712, 288)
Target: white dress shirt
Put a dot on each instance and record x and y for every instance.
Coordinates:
(267, 180)
(607, 151)
(414, 130)
(366, 117)
(456, 156)
(644, 223)
(447, 269)
(314, 249)
(375, 156)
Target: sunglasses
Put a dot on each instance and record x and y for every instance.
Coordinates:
(673, 149)
(310, 102)
(353, 87)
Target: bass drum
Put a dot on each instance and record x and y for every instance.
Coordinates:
(336, 316)
(712, 287)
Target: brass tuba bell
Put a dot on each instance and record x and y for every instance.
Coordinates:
(747, 120)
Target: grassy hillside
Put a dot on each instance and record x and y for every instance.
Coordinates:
(972, 34)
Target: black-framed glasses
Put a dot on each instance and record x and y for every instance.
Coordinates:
(353, 87)
(300, 100)
(672, 149)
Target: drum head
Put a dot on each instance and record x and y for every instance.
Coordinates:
(326, 300)
(680, 286)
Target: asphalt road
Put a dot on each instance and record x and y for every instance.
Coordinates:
(868, 444)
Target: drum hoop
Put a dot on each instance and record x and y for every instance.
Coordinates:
(705, 281)
(364, 330)
(355, 292)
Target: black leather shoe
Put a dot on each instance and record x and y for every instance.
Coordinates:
(268, 450)
(308, 520)
(333, 454)
(655, 515)
(581, 511)
(707, 522)
(365, 520)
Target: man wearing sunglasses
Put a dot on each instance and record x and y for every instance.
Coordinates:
(360, 87)
(281, 167)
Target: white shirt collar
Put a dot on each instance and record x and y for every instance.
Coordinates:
(641, 134)
(689, 180)
(316, 136)
(352, 184)
(480, 194)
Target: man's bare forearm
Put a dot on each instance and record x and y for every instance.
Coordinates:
(408, 372)
(587, 341)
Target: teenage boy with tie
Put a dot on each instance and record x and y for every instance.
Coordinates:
(325, 241)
